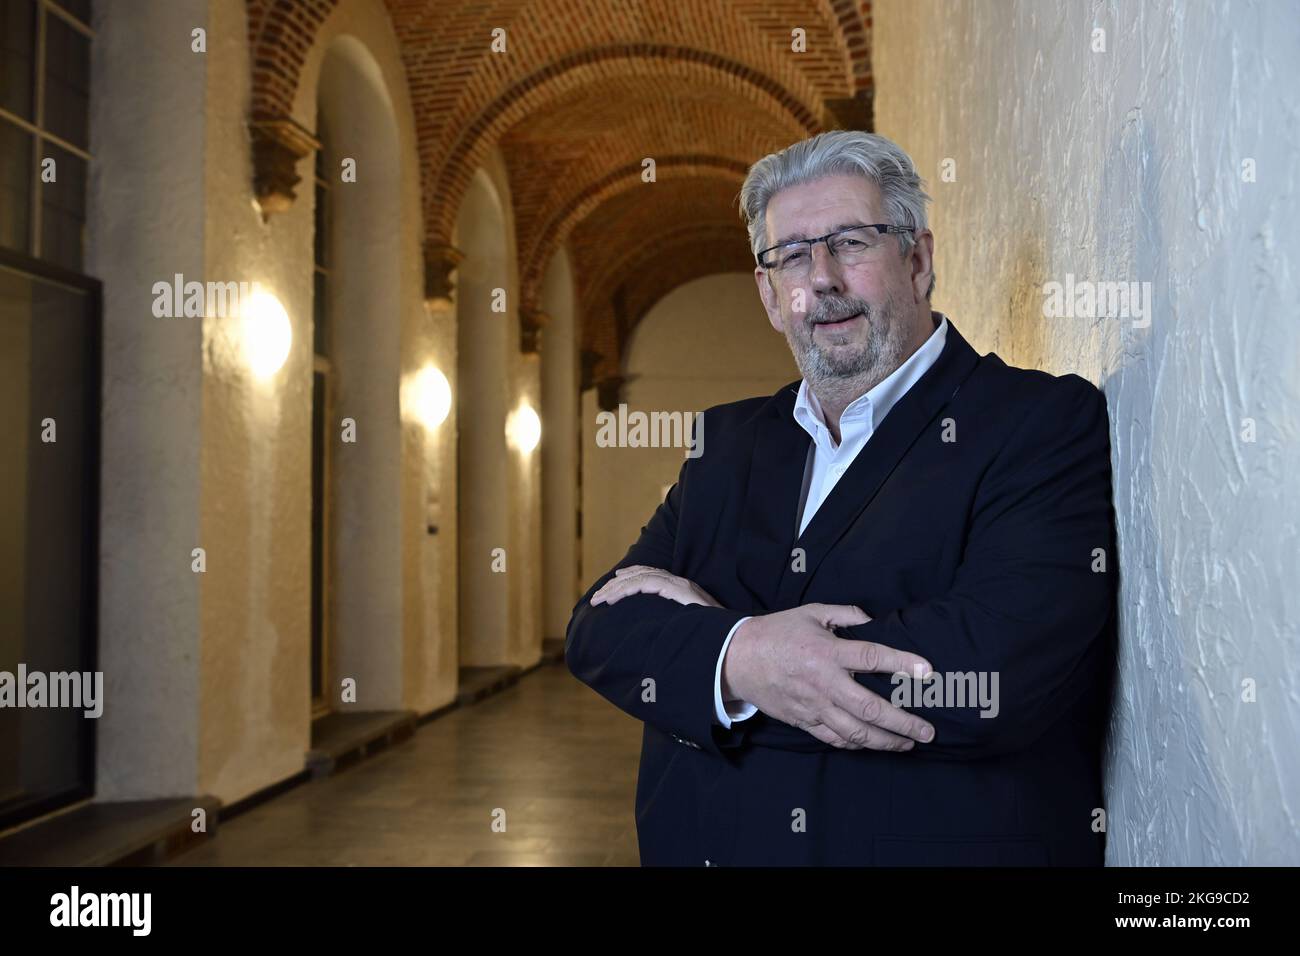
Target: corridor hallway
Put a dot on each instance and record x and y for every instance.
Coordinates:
(345, 343)
(548, 751)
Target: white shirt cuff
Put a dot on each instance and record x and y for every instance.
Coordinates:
(739, 710)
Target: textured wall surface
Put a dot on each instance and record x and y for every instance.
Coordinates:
(255, 714)
(1133, 163)
(206, 675)
(560, 430)
(146, 225)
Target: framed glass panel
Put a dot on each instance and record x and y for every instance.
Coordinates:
(17, 62)
(49, 476)
(67, 82)
(78, 8)
(63, 209)
(15, 187)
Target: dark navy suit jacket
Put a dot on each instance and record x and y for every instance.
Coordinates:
(976, 528)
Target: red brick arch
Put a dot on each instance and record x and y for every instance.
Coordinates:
(582, 203)
(468, 100)
(280, 35)
(451, 177)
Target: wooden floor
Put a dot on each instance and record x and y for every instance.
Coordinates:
(556, 757)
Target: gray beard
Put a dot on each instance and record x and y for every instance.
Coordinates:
(836, 372)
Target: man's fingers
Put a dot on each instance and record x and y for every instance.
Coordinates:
(631, 574)
(838, 615)
(854, 699)
(866, 657)
(619, 587)
(828, 736)
(618, 572)
(643, 581)
(862, 736)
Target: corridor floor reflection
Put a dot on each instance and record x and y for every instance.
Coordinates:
(548, 752)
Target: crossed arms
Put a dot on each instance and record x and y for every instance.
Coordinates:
(1028, 603)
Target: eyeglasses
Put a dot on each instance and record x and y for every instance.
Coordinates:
(849, 246)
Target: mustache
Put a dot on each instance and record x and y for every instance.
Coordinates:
(834, 311)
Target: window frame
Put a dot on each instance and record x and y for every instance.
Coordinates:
(93, 290)
(35, 126)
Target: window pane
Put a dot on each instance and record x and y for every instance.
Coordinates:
(48, 379)
(67, 82)
(17, 55)
(63, 209)
(78, 8)
(15, 187)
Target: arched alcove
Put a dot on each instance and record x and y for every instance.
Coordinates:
(363, 309)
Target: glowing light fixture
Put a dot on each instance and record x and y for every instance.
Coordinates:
(524, 429)
(267, 333)
(432, 396)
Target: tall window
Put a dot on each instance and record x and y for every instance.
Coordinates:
(49, 389)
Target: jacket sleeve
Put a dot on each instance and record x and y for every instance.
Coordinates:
(653, 658)
(1035, 590)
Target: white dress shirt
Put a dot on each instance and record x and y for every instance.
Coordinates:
(830, 460)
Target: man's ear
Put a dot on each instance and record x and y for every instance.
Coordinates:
(922, 262)
(770, 301)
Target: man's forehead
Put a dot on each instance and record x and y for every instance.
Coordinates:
(821, 206)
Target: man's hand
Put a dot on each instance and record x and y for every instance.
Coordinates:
(639, 579)
(792, 667)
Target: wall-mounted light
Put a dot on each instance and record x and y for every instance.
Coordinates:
(524, 428)
(432, 397)
(267, 333)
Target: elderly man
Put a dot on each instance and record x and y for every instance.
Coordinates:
(873, 625)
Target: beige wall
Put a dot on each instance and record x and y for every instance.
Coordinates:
(1127, 165)
(500, 497)
(147, 204)
(705, 343)
(207, 674)
(560, 427)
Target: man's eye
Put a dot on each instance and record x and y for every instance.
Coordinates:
(792, 257)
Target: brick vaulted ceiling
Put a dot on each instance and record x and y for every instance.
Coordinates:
(585, 91)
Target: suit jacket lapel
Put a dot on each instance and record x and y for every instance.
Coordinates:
(767, 525)
(879, 457)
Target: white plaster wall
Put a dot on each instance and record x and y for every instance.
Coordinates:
(257, 438)
(207, 675)
(365, 580)
(483, 401)
(146, 223)
(1127, 165)
(435, 665)
(500, 498)
(706, 342)
(560, 427)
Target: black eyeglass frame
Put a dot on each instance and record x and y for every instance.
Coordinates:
(885, 228)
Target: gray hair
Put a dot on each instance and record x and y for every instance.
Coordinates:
(832, 153)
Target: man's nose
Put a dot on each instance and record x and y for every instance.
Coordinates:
(824, 273)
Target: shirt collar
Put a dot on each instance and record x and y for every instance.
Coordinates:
(886, 393)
